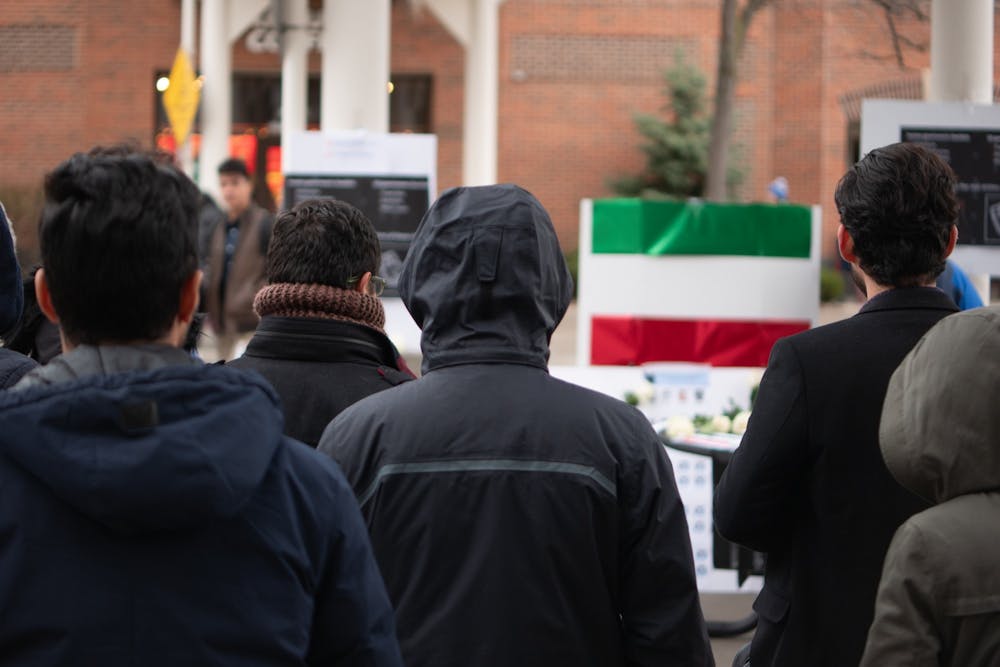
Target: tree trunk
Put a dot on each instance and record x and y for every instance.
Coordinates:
(722, 118)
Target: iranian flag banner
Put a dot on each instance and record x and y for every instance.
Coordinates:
(693, 281)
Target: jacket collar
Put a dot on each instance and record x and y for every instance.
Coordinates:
(904, 298)
(308, 339)
(98, 360)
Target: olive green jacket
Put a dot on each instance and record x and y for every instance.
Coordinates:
(939, 597)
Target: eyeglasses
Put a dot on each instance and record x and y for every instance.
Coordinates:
(375, 286)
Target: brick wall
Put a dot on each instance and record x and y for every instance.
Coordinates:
(572, 74)
(74, 74)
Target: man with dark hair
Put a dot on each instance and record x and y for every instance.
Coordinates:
(517, 519)
(807, 485)
(320, 341)
(153, 511)
(236, 259)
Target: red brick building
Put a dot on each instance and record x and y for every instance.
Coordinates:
(572, 73)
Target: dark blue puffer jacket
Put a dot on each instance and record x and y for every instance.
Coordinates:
(161, 518)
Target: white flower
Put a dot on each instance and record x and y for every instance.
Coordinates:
(721, 424)
(678, 427)
(740, 422)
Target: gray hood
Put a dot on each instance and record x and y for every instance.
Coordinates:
(940, 429)
(485, 279)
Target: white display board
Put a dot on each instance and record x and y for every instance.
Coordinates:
(968, 137)
(391, 177)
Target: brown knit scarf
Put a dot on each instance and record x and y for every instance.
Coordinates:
(320, 301)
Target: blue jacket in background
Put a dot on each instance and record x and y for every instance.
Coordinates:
(161, 518)
(955, 283)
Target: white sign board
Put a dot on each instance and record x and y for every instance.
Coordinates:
(967, 136)
(392, 178)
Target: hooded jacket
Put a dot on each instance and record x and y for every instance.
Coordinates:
(157, 516)
(939, 597)
(517, 519)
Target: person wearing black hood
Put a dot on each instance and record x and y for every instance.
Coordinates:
(517, 519)
(153, 513)
(13, 365)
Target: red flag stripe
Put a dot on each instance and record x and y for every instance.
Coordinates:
(629, 341)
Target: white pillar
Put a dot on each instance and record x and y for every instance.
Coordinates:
(294, 72)
(216, 93)
(961, 51)
(356, 36)
(479, 140)
(188, 18)
(188, 26)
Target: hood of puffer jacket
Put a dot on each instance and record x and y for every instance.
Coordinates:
(485, 279)
(940, 429)
(146, 451)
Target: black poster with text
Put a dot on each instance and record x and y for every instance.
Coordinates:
(394, 204)
(975, 157)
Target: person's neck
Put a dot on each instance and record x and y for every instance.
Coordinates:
(235, 214)
(873, 289)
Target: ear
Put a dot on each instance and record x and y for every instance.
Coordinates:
(952, 240)
(190, 292)
(363, 281)
(846, 245)
(44, 297)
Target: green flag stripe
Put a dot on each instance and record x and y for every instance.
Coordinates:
(637, 226)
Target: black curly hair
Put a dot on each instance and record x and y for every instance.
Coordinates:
(899, 205)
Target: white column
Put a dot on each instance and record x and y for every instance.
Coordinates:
(294, 72)
(961, 51)
(356, 36)
(216, 93)
(188, 18)
(479, 140)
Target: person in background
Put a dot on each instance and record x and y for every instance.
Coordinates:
(320, 341)
(954, 282)
(13, 365)
(807, 485)
(938, 601)
(153, 513)
(236, 259)
(517, 519)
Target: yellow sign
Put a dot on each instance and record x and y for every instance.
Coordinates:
(180, 99)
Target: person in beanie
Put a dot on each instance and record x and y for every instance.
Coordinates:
(236, 259)
(320, 341)
(517, 519)
(153, 513)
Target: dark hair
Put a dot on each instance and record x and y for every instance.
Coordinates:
(234, 165)
(899, 205)
(117, 236)
(322, 241)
